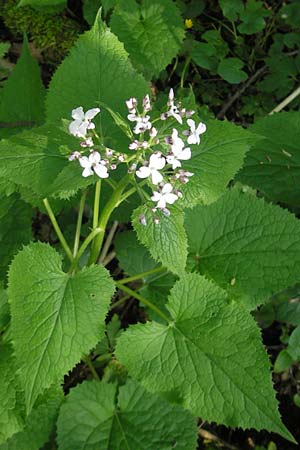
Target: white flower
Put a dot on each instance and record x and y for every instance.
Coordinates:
(142, 125)
(194, 133)
(165, 196)
(82, 121)
(179, 153)
(156, 163)
(174, 110)
(146, 103)
(93, 164)
(87, 143)
(74, 155)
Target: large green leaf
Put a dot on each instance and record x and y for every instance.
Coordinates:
(22, 97)
(56, 317)
(96, 70)
(273, 163)
(4, 309)
(38, 425)
(11, 413)
(152, 32)
(166, 240)
(210, 356)
(215, 161)
(97, 416)
(39, 161)
(15, 228)
(248, 247)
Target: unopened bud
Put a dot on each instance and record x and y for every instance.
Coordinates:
(74, 155)
(113, 166)
(166, 211)
(108, 152)
(156, 220)
(121, 158)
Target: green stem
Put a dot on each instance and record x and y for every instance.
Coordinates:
(108, 241)
(108, 209)
(83, 247)
(187, 62)
(78, 225)
(120, 301)
(96, 204)
(142, 300)
(141, 275)
(88, 361)
(104, 357)
(58, 230)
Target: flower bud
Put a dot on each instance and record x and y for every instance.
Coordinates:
(142, 220)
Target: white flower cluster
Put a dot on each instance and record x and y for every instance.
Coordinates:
(158, 151)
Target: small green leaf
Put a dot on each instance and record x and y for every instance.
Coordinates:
(166, 240)
(273, 164)
(294, 344)
(15, 228)
(283, 361)
(230, 70)
(210, 356)
(4, 46)
(23, 94)
(56, 317)
(90, 10)
(38, 425)
(106, 76)
(248, 247)
(253, 17)
(203, 55)
(97, 415)
(152, 32)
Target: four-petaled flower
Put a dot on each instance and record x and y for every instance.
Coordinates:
(93, 164)
(82, 121)
(178, 152)
(164, 196)
(194, 133)
(156, 163)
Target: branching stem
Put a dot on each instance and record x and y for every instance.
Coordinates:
(141, 275)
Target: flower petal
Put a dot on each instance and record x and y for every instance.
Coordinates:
(156, 196)
(85, 162)
(157, 161)
(201, 128)
(170, 198)
(87, 172)
(185, 154)
(101, 171)
(73, 127)
(156, 176)
(191, 124)
(143, 172)
(91, 113)
(161, 203)
(77, 113)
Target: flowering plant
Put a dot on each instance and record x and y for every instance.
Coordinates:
(151, 289)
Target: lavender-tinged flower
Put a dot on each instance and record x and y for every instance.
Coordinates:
(146, 103)
(82, 121)
(93, 164)
(165, 196)
(194, 132)
(87, 143)
(173, 109)
(75, 155)
(156, 163)
(178, 152)
(153, 132)
(131, 104)
(142, 124)
(134, 145)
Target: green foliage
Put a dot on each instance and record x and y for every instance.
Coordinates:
(40, 162)
(38, 425)
(230, 70)
(152, 32)
(132, 256)
(22, 97)
(11, 420)
(166, 240)
(42, 3)
(4, 309)
(15, 228)
(96, 56)
(245, 245)
(253, 17)
(98, 415)
(272, 164)
(210, 345)
(56, 317)
(224, 142)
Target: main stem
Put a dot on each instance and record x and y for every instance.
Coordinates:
(78, 225)
(106, 213)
